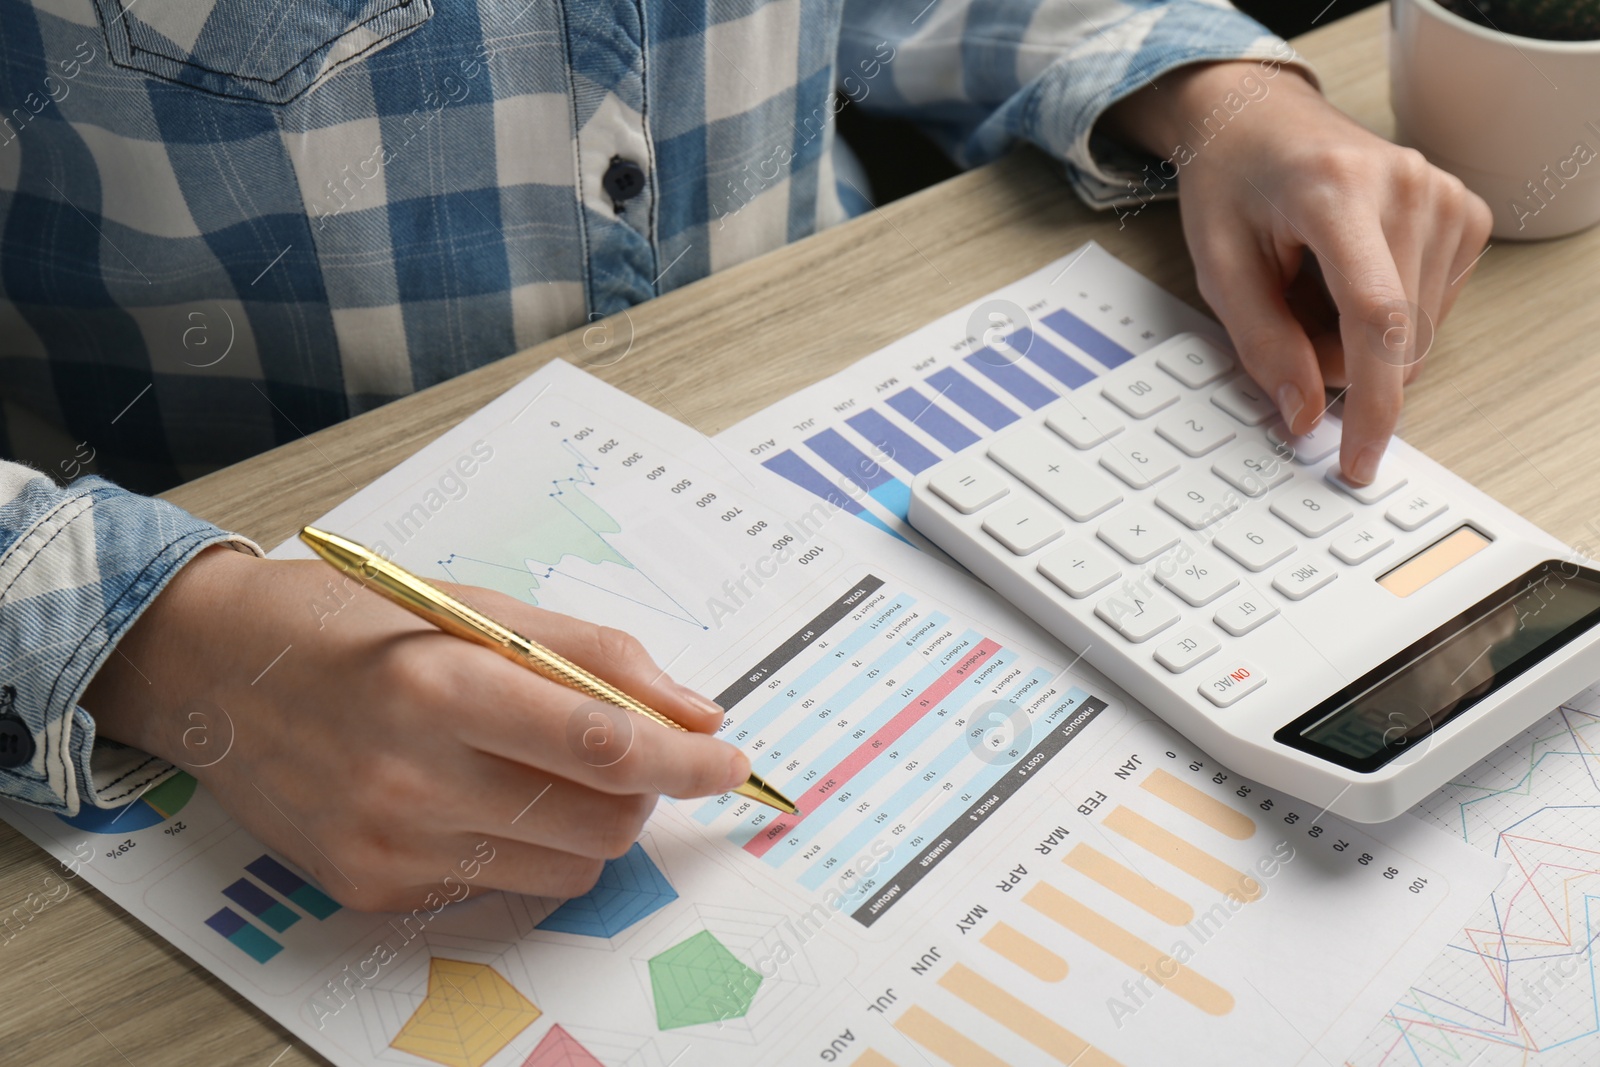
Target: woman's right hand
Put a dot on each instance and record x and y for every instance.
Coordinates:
(383, 755)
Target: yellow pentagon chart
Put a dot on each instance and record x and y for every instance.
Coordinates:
(469, 1015)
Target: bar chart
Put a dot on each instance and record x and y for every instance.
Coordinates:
(858, 439)
(1158, 893)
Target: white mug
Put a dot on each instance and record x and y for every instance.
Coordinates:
(1516, 119)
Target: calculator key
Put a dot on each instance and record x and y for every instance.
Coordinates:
(1139, 533)
(1193, 360)
(1195, 429)
(1245, 612)
(1302, 577)
(1361, 544)
(1310, 508)
(1079, 568)
(1187, 649)
(1245, 401)
(1252, 467)
(1313, 447)
(1197, 499)
(1137, 616)
(1227, 687)
(1084, 419)
(1139, 459)
(1256, 541)
(1050, 469)
(1415, 506)
(1022, 526)
(1199, 580)
(1142, 393)
(968, 484)
(1388, 480)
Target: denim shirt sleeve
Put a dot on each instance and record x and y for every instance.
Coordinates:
(981, 75)
(78, 565)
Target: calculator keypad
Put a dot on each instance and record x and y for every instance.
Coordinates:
(1140, 459)
(1050, 469)
(1188, 648)
(1245, 612)
(1142, 394)
(1139, 533)
(1137, 617)
(1414, 507)
(1385, 483)
(1235, 527)
(1252, 467)
(1195, 430)
(1310, 508)
(1245, 401)
(1079, 568)
(1256, 541)
(1023, 526)
(1309, 448)
(1361, 543)
(1084, 420)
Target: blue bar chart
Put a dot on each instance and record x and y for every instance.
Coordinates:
(859, 439)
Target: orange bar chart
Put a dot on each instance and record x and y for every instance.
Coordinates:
(1129, 948)
(1208, 809)
(1161, 842)
(1026, 1022)
(944, 1040)
(1025, 952)
(1129, 884)
(873, 1058)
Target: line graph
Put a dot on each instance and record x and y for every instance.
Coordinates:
(572, 526)
(1518, 984)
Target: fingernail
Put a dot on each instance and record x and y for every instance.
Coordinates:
(1366, 467)
(701, 703)
(1290, 402)
(738, 772)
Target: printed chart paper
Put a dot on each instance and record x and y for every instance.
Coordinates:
(1000, 860)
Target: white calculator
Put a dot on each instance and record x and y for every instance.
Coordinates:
(1355, 647)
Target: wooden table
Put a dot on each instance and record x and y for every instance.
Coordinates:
(1505, 402)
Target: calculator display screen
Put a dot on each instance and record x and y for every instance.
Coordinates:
(1395, 707)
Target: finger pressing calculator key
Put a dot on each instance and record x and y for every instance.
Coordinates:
(1163, 523)
(1313, 446)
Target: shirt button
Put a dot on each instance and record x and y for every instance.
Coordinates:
(16, 742)
(623, 181)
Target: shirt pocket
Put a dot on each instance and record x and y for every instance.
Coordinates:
(265, 51)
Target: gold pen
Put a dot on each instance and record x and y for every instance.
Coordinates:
(453, 617)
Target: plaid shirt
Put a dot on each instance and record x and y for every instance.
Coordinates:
(227, 223)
